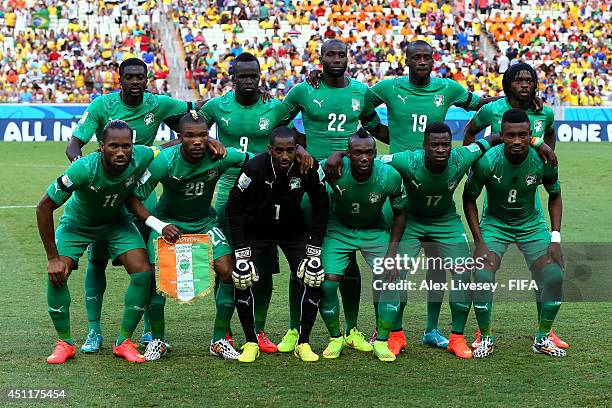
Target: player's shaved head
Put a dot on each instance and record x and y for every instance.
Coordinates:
(333, 42)
(418, 44)
(132, 62)
(244, 57)
(439, 128)
(113, 125)
(358, 138)
(282, 132)
(515, 116)
(191, 118)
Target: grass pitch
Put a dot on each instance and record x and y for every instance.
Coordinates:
(422, 376)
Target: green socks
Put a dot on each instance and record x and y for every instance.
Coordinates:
(58, 302)
(155, 312)
(136, 298)
(330, 307)
(224, 302)
(350, 289)
(95, 285)
(483, 301)
(552, 292)
(460, 302)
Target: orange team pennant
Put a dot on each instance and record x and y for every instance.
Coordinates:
(185, 269)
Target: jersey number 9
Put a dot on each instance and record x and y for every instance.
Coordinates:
(244, 143)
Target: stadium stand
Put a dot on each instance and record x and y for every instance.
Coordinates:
(74, 60)
(69, 50)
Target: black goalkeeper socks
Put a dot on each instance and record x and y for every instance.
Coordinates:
(308, 312)
(244, 301)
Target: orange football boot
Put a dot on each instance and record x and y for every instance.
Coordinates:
(458, 346)
(397, 341)
(128, 351)
(558, 342)
(265, 344)
(61, 352)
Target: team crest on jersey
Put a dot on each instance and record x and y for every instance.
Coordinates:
(263, 123)
(538, 126)
(66, 181)
(374, 197)
(243, 182)
(387, 158)
(294, 183)
(145, 176)
(355, 104)
(149, 118)
(531, 179)
(212, 174)
(129, 181)
(452, 185)
(439, 100)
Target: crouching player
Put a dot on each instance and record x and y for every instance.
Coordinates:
(356, 223)
(97, 186)
(189, 175)
(511, 174)
(263, 211)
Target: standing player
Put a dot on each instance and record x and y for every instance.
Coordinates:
(245, 122)
(189, 175)
(412, 102)
(99, 185)
(264, 211)
(431, 176)
(511, 174)
(357, 223)
(520, 83)
(332, 113)
(144, 112)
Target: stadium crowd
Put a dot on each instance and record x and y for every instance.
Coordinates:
(570, 55)
(567, 43)
(75, 61)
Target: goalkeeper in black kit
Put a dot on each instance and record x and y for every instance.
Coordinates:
(264, 210)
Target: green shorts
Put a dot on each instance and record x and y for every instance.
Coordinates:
(448, 236)
(206, 226)
(116, 238)
(532, 239)
(99, 253)
(341, 242)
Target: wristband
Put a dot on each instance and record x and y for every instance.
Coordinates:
(155, 224)
(536, 142)
(555, 236)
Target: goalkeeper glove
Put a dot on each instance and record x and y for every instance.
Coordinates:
(244, 273)
(311, 269)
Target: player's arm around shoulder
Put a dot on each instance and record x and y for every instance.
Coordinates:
(477, 179)
(395, 188)
(478, 122)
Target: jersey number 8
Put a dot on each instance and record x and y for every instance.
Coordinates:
(512, 196)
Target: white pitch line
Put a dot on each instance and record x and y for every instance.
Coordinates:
(8, 207)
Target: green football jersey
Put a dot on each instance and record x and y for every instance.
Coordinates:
(144, 119)
(511, 188)
(246, 128)
(188, 188)
(410, 108)
(491, 115)
(331, 115)
(359, 204)
(430, 195)
(98, 198)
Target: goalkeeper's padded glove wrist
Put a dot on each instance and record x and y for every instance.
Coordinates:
(312, 250)
(243, 253)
